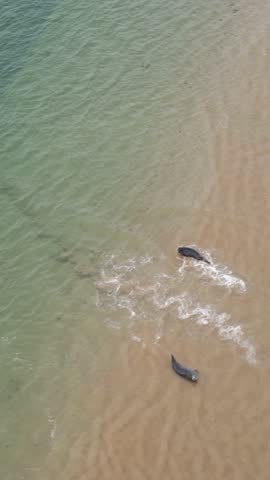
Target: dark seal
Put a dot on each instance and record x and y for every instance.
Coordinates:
(188, 373)
(190, 252)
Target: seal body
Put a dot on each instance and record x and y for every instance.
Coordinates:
(188, 373)
(190, 252)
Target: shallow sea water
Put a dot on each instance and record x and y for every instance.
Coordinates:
(127, 130)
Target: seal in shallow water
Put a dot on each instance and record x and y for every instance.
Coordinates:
(188, 373)
(190, 252)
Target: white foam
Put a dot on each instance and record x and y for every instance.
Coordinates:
(113, 282)
(128, 304)
(112, 323)
(110, 287)
(138, 339)
(222, 276)
(163, 302)
(183, 267)
(217, 273)
(53, 424)
(125, 286)
(207, 315)
(133, 263)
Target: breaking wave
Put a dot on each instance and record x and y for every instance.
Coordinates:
(216, 273)
(133, 290)
(221, 322)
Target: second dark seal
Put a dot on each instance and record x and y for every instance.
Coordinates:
(188, 373)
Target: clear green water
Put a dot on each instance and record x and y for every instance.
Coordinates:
(102, 148)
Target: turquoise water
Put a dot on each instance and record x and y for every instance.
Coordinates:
(104, 146)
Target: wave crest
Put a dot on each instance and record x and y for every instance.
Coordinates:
(134, 290)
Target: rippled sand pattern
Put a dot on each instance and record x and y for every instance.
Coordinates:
(159, 426)
(145, 421)
(149, 423)
(128, 129)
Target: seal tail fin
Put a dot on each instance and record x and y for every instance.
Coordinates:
(206, 261)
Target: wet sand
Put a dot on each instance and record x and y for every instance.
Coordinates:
(147, 422)
(119, 175)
